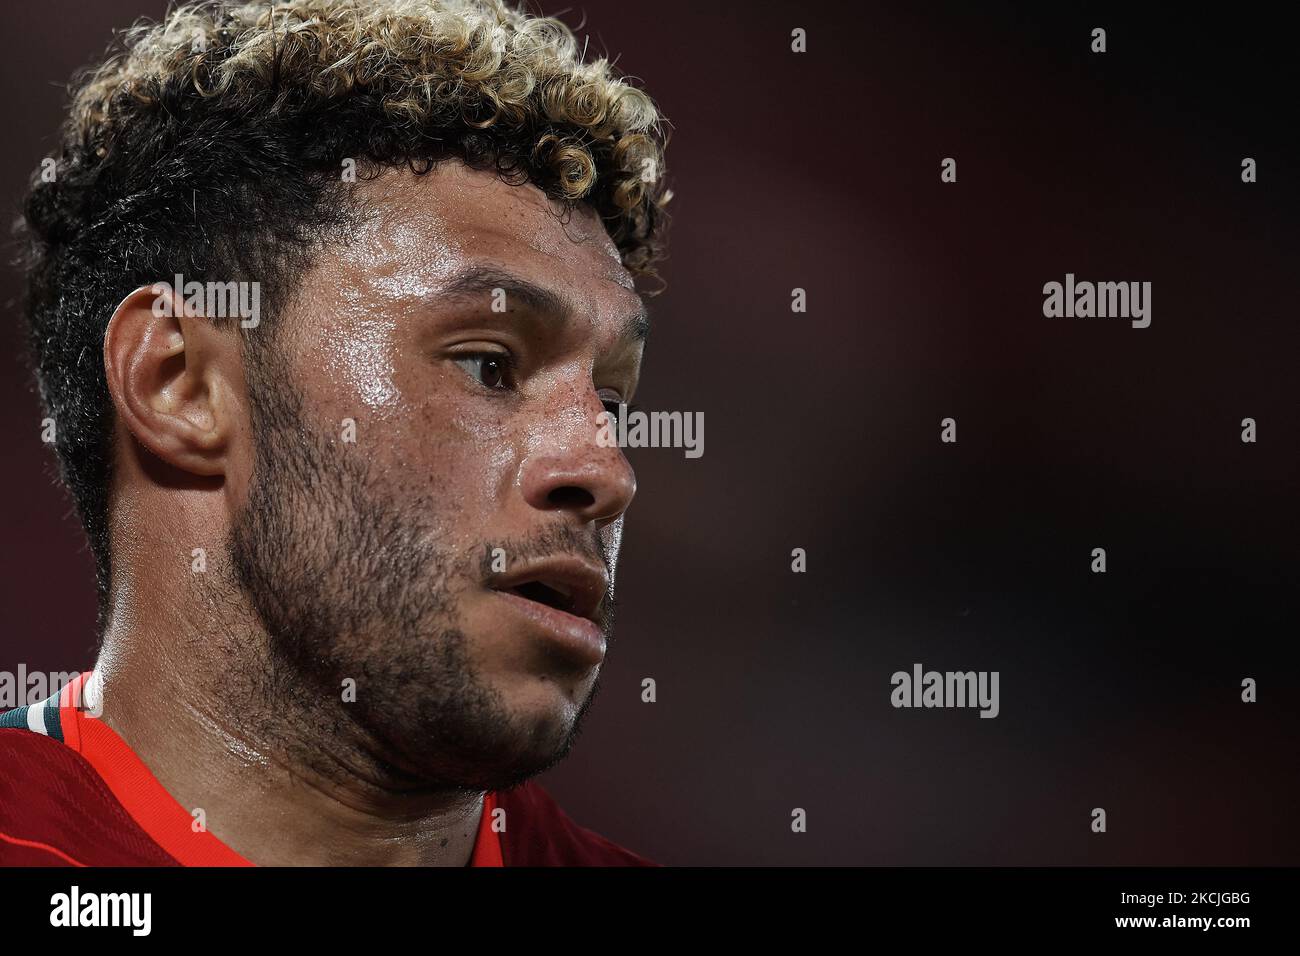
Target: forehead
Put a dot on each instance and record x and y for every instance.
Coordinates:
(432, 225)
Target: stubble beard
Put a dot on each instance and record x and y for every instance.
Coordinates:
(349, 585)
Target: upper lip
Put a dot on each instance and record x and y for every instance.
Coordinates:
(581, 583)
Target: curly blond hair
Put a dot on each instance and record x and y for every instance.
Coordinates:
(428, 65)
(210, 144)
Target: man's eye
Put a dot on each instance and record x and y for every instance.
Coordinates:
(491, 370)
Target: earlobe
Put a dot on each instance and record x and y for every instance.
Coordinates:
(166, 379)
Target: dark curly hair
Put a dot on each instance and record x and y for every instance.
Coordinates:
(212, 144)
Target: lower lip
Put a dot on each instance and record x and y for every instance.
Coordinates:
(580, 638)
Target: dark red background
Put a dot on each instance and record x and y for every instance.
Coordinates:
(821, 171)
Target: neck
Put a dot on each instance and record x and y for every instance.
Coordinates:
(285, 775)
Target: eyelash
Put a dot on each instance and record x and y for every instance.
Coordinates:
(507, 360)
(511, 364)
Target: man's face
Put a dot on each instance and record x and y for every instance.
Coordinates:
(452, 551)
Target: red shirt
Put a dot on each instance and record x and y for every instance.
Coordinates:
(72, 792)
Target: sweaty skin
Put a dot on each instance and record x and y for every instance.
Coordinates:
(330, 560)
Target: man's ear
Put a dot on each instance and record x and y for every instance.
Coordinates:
(170, 375)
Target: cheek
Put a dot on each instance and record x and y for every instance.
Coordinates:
(368, 370)
(360, 354)
(460, 452)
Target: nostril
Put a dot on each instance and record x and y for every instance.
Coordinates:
(571, 496)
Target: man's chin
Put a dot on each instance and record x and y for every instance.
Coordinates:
(520, 739)
(497, 764)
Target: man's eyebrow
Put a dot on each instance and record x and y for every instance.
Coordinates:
(478, 284)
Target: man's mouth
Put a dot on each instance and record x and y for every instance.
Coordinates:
(561, 598)
(544, 594)
(567, 584)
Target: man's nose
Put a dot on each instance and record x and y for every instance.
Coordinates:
(567, 469)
